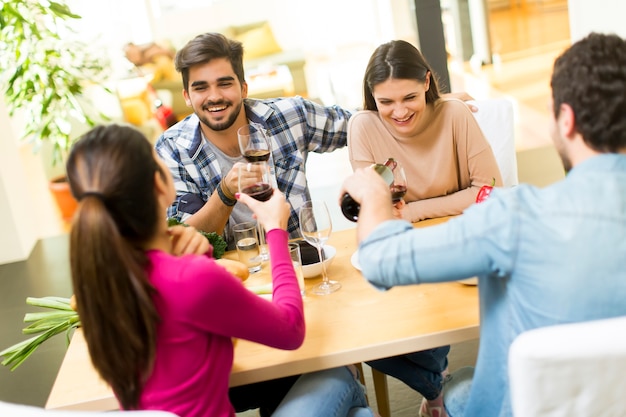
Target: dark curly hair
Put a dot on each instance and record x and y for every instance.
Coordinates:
(590, 76)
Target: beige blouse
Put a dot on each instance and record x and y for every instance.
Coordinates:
(446, 162)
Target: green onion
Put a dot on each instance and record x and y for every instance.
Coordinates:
(50, 323)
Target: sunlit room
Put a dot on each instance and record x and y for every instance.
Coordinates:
(492, 50)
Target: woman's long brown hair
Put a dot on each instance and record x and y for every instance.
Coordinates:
(397, 60)
(111, 172)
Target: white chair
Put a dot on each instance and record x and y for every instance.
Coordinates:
(570, 370)
(325, 173)
(20, 410)
(497, 121)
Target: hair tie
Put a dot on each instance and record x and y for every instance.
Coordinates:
(96, 194)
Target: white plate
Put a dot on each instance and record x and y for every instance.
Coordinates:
(354, 260)
(313, 270)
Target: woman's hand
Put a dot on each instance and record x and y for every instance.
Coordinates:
(187, 240)
(271, 214)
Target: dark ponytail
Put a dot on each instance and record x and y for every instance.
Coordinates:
(111, 172)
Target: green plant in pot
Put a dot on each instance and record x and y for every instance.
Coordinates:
(45, 74)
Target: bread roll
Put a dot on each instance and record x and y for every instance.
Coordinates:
(238, 269)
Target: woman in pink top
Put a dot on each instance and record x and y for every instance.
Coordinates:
(446, 159)
(157, 311)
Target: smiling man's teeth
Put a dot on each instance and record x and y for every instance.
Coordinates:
(220, 108)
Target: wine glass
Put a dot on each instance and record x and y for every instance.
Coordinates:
(316, 225)
(398, 187)
(255, 146)
(253, 143)
(254, 179)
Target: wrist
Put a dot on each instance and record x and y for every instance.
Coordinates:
(222, 194)
(226, 190)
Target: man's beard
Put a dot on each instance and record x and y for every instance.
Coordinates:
(567, 163)
(560, 149)
(219, 126)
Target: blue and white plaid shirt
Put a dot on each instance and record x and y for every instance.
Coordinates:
(295, 126)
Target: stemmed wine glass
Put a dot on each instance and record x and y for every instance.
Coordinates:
(316, 225)
(255, 146)
(398, 187)
(254, 179)
(253, 143)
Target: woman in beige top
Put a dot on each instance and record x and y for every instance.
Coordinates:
(446, 159)
(437, 140)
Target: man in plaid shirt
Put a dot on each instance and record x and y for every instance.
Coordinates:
(202, 151)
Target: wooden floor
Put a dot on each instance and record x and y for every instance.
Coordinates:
(525, 41)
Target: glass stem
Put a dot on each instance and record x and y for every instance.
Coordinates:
(262, 246)
(321, 255)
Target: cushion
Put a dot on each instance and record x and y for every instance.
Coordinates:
(258, 41)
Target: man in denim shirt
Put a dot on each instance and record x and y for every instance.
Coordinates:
(543, 256)
(202, 151)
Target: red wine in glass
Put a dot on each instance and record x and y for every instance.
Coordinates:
(259, 191)
(397, 192)
(256, 155)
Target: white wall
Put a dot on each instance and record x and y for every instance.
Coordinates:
(17, 215)
(605, 16)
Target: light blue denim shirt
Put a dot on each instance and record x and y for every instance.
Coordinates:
(543, 257)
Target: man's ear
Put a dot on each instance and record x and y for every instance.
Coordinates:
(566, 120)
(244, 90)
(186, 97)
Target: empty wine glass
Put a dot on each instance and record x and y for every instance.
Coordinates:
(316, 225)
(255, 146)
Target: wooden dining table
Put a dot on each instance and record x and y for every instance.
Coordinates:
(355, 324)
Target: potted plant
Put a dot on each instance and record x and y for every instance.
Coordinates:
(45, 73)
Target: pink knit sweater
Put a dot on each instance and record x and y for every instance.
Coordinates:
(201, 308)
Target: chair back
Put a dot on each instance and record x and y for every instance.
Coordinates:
(496, 119)
(570, 370)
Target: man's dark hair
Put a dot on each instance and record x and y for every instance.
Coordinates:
(206, 47)
(590, 76)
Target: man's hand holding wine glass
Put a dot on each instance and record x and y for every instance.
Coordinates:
(255, 148)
